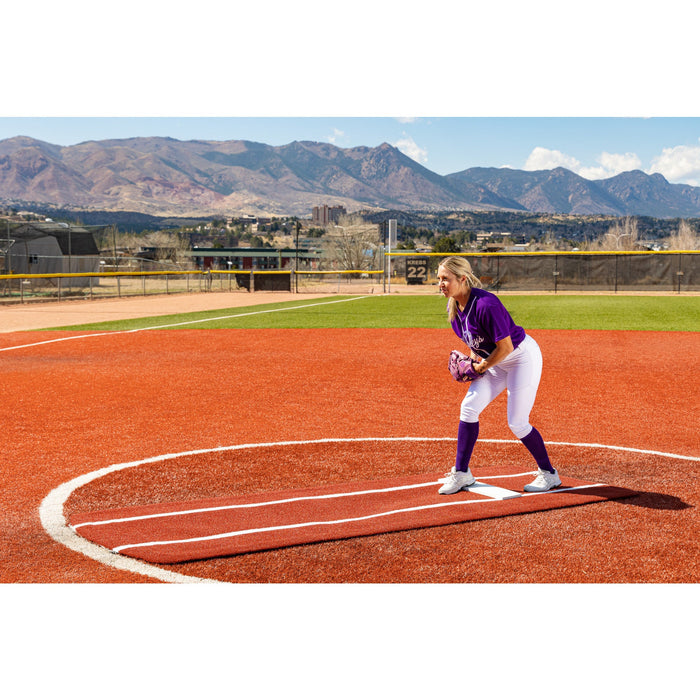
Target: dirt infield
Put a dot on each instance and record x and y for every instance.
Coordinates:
(25, 317)
(87, 401)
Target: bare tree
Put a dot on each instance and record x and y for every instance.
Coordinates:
(353, 244)
(547, 242)
(686, 238)
(169, 246)
(623, 235)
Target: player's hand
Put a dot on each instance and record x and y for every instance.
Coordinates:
(480, 367)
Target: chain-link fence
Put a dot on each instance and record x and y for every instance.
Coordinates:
(63, 287)
(676, 272)
(340, 281)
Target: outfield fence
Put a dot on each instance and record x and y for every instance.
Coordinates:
(629, 271)
(665, 272)
(26, 288)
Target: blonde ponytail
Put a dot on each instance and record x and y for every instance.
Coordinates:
(459, 267)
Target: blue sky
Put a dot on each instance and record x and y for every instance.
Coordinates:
(600, 90)
(595, 147)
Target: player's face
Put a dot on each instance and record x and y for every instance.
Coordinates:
(449, 284)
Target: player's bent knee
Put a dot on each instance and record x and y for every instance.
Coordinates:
(468, 414)
(520, 430)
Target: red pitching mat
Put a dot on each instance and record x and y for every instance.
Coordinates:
(167, 533)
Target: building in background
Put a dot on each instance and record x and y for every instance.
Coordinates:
(323, 215)
(47, 247)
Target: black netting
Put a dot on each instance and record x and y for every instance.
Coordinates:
(670, 272)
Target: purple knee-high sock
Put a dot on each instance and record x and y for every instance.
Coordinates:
(535, 444)
(466, 439)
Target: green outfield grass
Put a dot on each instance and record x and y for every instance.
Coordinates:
(666, 313)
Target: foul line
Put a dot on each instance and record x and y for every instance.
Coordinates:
(181, 323)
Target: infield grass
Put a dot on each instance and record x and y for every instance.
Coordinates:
(647, 313)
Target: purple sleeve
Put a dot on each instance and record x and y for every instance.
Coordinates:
(499, 323)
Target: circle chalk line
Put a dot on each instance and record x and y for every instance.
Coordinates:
(54, 522)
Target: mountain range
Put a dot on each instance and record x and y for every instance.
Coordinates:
(166, 177)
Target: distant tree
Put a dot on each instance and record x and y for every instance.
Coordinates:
(353, 244)
(622, 235)
(686, 238)
(546, 242)
(446, 244)
(169, 246)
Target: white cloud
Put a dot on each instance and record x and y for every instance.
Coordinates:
(679, 164)
(337, 133)
(546, 159)
(409, 147)
(406, 120)
(609, 164)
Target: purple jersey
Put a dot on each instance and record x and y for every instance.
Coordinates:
(484, 322)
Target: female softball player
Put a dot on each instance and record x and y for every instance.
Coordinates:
(504, 357)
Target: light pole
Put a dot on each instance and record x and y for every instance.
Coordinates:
(296, 263)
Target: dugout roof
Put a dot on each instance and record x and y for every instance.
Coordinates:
(304, 253)
(72, 240)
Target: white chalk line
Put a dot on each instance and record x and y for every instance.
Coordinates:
(179, 323)
(294, 526)
(239, 506)
(54, 523)
(262, 504)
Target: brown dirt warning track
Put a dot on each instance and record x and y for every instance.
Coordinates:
(94, 400)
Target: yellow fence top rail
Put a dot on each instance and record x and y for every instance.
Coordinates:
(517, 253)
(63, 275)
(340, 272)
(249, 272)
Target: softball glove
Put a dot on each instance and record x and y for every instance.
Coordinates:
(461, 367)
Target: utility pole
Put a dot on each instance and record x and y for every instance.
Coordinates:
(392, 235)
(385, 258)
(296, 264)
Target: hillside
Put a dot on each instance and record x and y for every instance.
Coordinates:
(167, 177)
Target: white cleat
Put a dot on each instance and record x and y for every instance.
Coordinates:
(456, 481)
(544, 481)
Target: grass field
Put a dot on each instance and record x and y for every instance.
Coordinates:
(646, 313)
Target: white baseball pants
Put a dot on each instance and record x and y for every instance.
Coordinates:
(520, 375)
